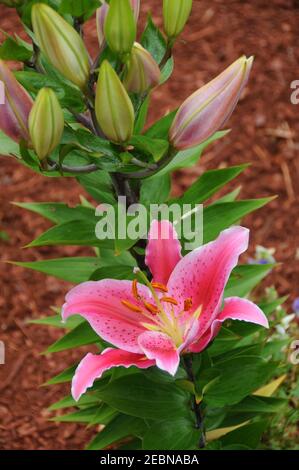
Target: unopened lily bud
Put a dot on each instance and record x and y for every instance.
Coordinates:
(175, 15)
(100, 20)
(136, 8)
(120, 27)
(208, 109)
(46, 123)
(14, 112)
(114, 109)
(142, 72)
(61, 44)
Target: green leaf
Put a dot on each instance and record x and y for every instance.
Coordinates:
(57, 212)
(188, 158)
(56, 322)
(155, 147)
(167, 70)
(69, 402)
(103, 415)
(153, 40)
(8, 146)
(229, 197)
(218, 217)
(76, 232)
(73, 270)
(68, 95)
(159, 130)
(63, 377)
(115, 272)
(155, 190)
(141, 118)
(246, 277)
(82, 335)
(238, 377)
(137, 396)
(99, 185)
(14, 49)
(177, 435)
(209, 183)
(255, 404)
(122, 426)
(249, 435)
(79, 8)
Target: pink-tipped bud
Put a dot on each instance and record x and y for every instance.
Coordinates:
(136, 8)
(208, 109)
(17, 105)
(101, 18)
(142, 72)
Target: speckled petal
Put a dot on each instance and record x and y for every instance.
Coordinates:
(100, 303)
(234, 309)
(163, 250)
(203, 274)
(93, 366)
(161, 348)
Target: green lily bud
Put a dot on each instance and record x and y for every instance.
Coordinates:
(61, 44)
(143, 72)
(120, 27)
(175, 15)
(46, 123)
(114, 109)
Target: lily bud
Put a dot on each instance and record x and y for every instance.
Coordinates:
(208, 109)
(61, 44)
(100, 20)
(17, 105)
(142, 72)
(120, 27)
(46, 123)
(114, 109)
(175, 15)
(136, 8)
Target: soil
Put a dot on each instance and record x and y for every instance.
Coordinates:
(265, 132)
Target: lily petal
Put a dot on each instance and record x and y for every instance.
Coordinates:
(234, 309)
(161, 348)
(203, 274)
(163, 250)
(93, 366)
(100, 303)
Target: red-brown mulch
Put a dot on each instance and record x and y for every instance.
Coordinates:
(265, 131)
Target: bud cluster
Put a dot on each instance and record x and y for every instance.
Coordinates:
(131, 71)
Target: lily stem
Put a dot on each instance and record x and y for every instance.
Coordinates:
(196, 408)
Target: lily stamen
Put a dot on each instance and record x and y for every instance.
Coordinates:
(131, 306)
(159, 286)
(169, 300)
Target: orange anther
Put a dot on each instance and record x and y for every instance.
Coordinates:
(135, 289)
(188, 304)
(151, 308)
(159, 286)
(169, 300)
(132, 307)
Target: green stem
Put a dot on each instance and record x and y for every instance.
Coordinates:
(196, 408)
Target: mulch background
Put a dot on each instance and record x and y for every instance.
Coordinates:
(265, 131)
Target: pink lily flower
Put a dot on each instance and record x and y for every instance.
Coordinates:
(179, 311)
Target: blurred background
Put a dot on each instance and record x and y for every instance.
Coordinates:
(265, 132)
